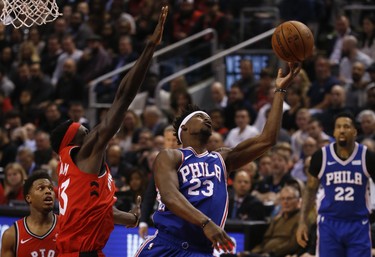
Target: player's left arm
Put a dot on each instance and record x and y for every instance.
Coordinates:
(252, 148)
(8, 242)
(129, 219)
(370, 163)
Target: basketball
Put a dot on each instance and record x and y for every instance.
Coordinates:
(292, 41)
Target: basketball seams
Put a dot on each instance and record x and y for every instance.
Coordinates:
(287, 44)
(301, 37)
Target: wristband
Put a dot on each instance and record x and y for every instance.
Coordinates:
(282, 90)
(205, 223)
(136, 219)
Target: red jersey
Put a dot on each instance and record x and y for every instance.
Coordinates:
(29, 244)
(85, 203)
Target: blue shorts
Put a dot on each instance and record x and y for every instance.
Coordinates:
(338, 238)
(162, 245)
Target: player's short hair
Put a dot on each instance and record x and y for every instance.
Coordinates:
(348, 115)
(177, 122)
(38, 174)
(58, 134)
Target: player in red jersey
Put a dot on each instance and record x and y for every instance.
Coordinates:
(86, 188)
(34, 235)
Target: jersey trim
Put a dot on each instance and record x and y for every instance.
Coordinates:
(46, 234)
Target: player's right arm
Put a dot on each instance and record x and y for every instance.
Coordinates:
(166, 179)
(308, 198)
(8, 242)
(93, 147)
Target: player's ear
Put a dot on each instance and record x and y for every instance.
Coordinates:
(183, 127)
(28, 199)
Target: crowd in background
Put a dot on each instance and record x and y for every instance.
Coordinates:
(45, 71)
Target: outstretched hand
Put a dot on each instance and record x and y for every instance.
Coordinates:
(137, 211)
(158, 32)
(284, 82)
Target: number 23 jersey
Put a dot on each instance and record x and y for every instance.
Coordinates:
(203, 181)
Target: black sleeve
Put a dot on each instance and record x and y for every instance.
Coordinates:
(370, 163)
(148, 202)
(316, 163)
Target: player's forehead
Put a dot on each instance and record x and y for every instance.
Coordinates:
(42, 182)
(202, 115)
(344, 121)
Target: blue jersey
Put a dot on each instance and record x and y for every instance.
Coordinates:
(203, 181)
(345, 185)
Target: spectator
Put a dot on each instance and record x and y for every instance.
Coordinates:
(25, 157)
(367, 38)
(318, 93)
(366, 119)
(179, 100)
(51, 118)
(296, 100)
(5, 106)
(69, 52)
(315, 130)
(106, 90)
(43, 153)
(237, 100)
(342, 28)
(29, 112)
(218, 95)
(218, 122)
(337, 105)
(127, 133)
(262, 88)
(76, 113)
(350, 55)
(184, 19)
(269, 188)
(95, 60)
(214, 18)
(12, 189)
(51, 55)
(242, 205)
(80, 30)
(215, 141)
(36, 39)
(243, 130)
(126, 200)
(70, 86)
(40, 85)
(280, 237)
(117, 167)
(22, 80)
(247, 81)
(356, 89)
(309, 147)
(261, 117)
(302, 120)
(6, 85)
(153, 120)
(8, 150)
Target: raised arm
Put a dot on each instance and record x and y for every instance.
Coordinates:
(166, 179)
(95, 143)
(8, 242)
(252, 148)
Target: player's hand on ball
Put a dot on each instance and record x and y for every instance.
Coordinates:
(284, 82)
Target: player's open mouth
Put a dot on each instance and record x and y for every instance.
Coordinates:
(48, 200)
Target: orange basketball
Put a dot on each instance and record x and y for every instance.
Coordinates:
(292, 41)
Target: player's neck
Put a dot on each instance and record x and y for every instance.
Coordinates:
(198, 148)
(344, 152)
(37, 217)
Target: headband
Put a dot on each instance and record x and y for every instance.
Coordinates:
(184, 121)
(69, 135)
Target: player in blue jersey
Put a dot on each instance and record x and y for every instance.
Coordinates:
(342, 171)
(192, 182)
